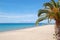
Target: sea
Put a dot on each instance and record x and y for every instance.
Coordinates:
(15, 26)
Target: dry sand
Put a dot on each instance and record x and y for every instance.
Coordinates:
(36, 33)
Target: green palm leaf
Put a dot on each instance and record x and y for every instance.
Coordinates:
(53, 3)
(40, 19)
(42, 11)
(59, 3)
(49, 5)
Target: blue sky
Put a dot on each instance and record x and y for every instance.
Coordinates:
(20, 11)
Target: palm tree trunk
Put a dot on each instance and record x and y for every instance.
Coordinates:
(57, 29)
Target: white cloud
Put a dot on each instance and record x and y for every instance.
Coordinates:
(21, 18)
(18, 18)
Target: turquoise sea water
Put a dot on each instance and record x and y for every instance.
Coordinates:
(14, 26)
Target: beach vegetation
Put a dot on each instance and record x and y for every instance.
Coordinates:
(51, 11)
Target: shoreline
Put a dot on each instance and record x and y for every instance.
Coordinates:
(25, 28)
(35, 33)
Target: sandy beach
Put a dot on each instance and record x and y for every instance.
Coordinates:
(36, 33)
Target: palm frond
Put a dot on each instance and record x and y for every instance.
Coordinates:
(59, 3)
(53, 11)
(48, 20)
(53, 2)
(40, 19)
(42, 11)
(51, 16)
(49, 5)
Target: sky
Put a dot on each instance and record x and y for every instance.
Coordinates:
(20, 11)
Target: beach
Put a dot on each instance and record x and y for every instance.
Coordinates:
(36, 33)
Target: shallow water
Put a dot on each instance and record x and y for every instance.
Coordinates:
(14, 26)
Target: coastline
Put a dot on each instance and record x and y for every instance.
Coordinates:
(36, 33)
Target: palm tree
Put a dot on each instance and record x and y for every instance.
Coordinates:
(51, 11)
